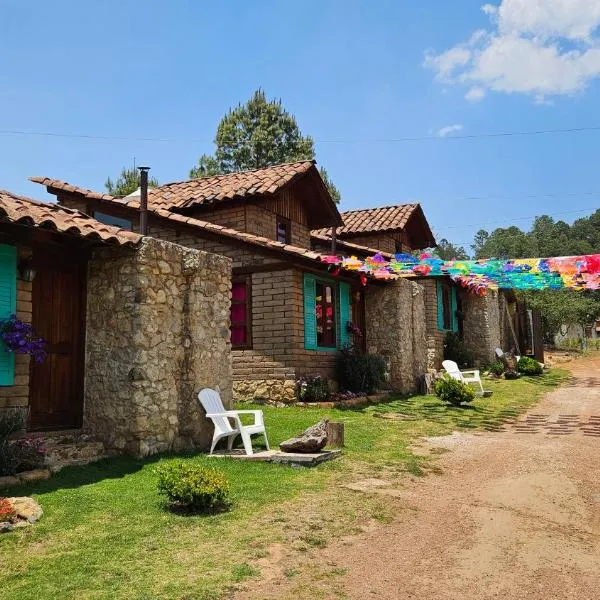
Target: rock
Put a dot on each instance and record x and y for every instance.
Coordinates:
(9, 481)
(509, 360)
(6, 526)
(27, 509)
(314, 439)
(35, 475)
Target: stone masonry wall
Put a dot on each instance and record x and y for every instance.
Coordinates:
(157, 332)
(481, 325)
(396, 330)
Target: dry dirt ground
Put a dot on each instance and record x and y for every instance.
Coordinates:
(514, 514)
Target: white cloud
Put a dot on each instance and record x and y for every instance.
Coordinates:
(444, 131)
(475, 94)
(537, 47)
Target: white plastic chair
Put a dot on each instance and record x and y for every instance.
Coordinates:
(215, 411)
(467, 377)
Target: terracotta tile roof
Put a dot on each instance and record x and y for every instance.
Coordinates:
(24, 211)
(206, 190)
(386, 218)
(351, 246)
(241, 236)
(213, 228)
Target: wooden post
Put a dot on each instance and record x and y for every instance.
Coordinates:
(335, 435)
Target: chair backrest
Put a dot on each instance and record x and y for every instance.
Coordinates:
(499, 352)
(452, 369)
(212, 403)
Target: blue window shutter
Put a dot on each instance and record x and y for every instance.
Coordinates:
(440, 306)
(344, 315)
(8, 306)
(454, 307)
(310, 316)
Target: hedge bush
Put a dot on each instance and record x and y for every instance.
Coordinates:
(496, 367)
(453, 392)
(312, 388)
(359, 372)
(529, 366)
(192, 487)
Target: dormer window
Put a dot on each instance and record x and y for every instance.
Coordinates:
(283, 233)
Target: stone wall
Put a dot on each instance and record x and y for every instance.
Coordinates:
(396, 330)
(157, 332)
(481, 325)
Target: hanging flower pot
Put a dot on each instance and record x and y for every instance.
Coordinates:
(19, 337)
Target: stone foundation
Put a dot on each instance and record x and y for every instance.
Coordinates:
(157, 332)
(396, 330)
(273, 390)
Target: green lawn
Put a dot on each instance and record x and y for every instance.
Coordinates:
(105, 534)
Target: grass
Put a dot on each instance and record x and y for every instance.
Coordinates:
(105, 533)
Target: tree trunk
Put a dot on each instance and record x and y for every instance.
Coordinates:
(335, 435)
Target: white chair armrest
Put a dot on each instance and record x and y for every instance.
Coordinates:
(258, 415)
(472, 373)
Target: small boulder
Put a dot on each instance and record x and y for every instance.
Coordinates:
(27, 509)
(313, 440)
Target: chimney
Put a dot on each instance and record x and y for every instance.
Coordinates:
(333, 240)
(143, 199)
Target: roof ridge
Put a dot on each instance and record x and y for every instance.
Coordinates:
(220, 175)
(355, 210)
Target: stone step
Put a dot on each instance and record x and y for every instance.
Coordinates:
(69, 450)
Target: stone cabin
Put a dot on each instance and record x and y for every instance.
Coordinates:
(482, 322)
(289, 313)
(133, 327)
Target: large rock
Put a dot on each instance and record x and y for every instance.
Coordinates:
(27, 509)
(314, 439)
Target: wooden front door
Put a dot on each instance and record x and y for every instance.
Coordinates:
(56, 385)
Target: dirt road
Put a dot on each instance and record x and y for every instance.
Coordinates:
(515, 514)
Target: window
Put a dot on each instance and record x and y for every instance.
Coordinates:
(241, 314)
(325, 314)
(447, 307)
(111, 220)
(284, 231)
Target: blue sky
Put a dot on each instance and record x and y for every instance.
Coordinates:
(352, 71)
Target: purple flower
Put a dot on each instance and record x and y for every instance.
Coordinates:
(19, 337)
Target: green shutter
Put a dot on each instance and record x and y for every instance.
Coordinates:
(440, 306)
(454, 307)
(344, 315)
(8, 306)
(310, 316)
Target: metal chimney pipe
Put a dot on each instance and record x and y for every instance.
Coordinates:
(143, 199)
(333, 240)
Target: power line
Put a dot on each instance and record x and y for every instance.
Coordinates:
(320, 141)
(566, 212)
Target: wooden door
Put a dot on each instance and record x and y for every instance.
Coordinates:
(358, 317)
(56, 385)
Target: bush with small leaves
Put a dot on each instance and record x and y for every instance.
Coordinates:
(192, 487)
(496, 367)
(529, 366)
(453, 391)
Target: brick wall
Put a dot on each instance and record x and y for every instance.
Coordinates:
(384, 241)
(18, 394)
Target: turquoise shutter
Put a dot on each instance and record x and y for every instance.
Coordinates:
(344, 315)
(8, 306)
(310, 317)
(454, 307)
(440, 306)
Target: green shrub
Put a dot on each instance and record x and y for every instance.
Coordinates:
(456, 350)
(496, 367)
(193, 487)
(359, 372)
(313, 388)
(453, 391)
(529, 366)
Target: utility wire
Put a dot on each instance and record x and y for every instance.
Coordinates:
(320, 141)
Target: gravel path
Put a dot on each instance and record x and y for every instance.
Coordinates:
(515, 514)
